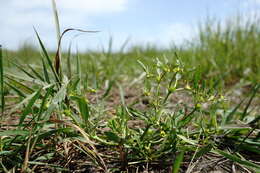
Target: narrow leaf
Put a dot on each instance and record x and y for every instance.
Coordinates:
(45, 71)
(29, 106)
(238, 160)
(2, 81)
(177, 162)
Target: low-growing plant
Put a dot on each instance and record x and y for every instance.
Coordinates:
(65, 122)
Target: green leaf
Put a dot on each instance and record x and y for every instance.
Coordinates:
(177, 162)
(108, 89)
(47, 57)
(29, 106)
(78, 72)
(61, 94)
(186, 119)
(189, 141)
(69, 62)
(250, 101)
(113, 137)
(238, 160)
(230, 116)
(203, 150)
(26, 78)
(20, 85)
(45, 71)
(20, 67)
(57, 99)
(36, 73)
(47, 156)
(2, 81)
(20, 93)
(83, 107)
(44, 100)
(29, 97)
(5, 153)
(14, 132)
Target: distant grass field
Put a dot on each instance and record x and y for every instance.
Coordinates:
(188, 108)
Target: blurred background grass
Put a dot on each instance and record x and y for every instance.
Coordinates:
(228, 52)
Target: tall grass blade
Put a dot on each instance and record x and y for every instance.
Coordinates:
(187, 118)
(28, 108)
(26, 78)
(83, 107)
(20, 93)
(122, 95)
(256, 88)
(56, 19)
(108, 89)
(14, 132)
(2, 81)
(47, 56)
(38, 75)
(230, 116)
(44, 100)
(58, 57)
(57, 99)
(57, 60)
(22, 87)
(69, 62)
(78, 72)
(238, 160)
(45, 71)
(177, 162)
(23, 70)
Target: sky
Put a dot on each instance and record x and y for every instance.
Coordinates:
(158, 22)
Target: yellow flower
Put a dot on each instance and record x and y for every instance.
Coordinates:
(162, 133)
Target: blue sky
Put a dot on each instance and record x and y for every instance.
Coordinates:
(159, 22)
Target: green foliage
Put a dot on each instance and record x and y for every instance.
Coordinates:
(87, 105)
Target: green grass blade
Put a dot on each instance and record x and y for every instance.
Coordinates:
(20, 93)
(28, 108)
(83, 107)
(2, 81)
(56, 19)
(69, 62)
(3, 166)
(256, 88)
(57, 99)
(47, 57)
(20, 85)
(36, 73)
(187, 119)
(26, 78)
(44, 100)
(78, 65)
(45, 71)
(79, 73)
(122, 95)
(238, 160)
(58, 58)
(20, 67)
(108, 89)
(203, 150)
(177, 162)
(189, 141)
(230, 116)
(14, 132)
